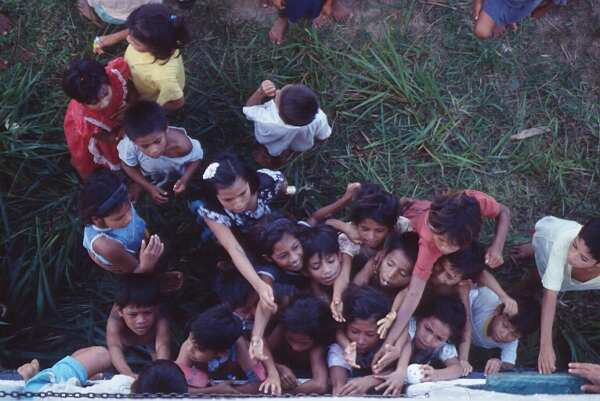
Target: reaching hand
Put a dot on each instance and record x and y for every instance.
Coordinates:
(337, 310)
(385, 324)
(546, 360)
(386, 355)
(150, 253)
(352, 189)
(179, 187)
(159, 196)
(392, 383)
(350, 355)
(588, 371)
(511, 308)
(271, 385)
(467, 368)
(268, 88)
(256, 350)
(493, 257)
(265, 292)
(477, 6)
(429, 373)
(356, 386)
(288, 378)
(492, 366)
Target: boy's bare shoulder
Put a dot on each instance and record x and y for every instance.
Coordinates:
(180, 143)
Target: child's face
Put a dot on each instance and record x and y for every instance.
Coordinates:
(579, 256)
(237, 197)
(153, 145)
(431, 333)
(372, 233)
(502, 330)
(288, 254)
(442, 242)
(197, 355)
(139, 319)
(137, 45)
(444, 274)
(325, 269)
(395, 270)
(364, 333)
(118, 219)
(299, 342)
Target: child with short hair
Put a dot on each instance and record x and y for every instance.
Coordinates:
(450, 223)
(153, 154)
(136, 320)
(162, 376)
(290, 122)
(430, 335)
(364, 307)
(156, 37)
(567, 256)
(92, 122)
(114, 232)
(494, 328)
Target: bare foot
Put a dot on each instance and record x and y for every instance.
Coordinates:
(87, 11)
(29, 370)
(522, 251)
(171, 282)
(278, 30)
(321, 21)
(340, 12)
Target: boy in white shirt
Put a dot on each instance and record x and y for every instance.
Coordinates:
(288, 123)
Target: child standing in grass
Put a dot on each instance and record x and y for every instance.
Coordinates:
(290, 122)
(93, 119)
(155, 37)
(154, 154)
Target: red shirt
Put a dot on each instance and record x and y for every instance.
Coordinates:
(418, 214)
(82, 124)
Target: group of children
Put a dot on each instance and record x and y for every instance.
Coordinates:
(396, 292)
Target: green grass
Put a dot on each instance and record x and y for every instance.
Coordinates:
(417, 110)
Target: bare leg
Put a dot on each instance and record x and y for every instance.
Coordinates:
(87, 11)
(95, 360)
(543, 9)
(30, 369)
(278, 30)
(484, 26)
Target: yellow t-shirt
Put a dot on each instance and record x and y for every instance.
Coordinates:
(155, 79)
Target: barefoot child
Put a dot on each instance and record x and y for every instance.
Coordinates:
(155, 38)
(135, 320)
(154, 154)
(114, 232)
(93, 119)
(290, 122)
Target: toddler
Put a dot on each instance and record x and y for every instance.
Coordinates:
(288, 123)
(93, 119)
(154, 154)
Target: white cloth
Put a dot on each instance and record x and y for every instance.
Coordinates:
(162, 169)
(551, 242)
(120, 9)
(335, 357)
(443, 353)
(277, 136)
(483, 303)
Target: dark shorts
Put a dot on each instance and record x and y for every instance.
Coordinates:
(296, 10)
(505, 12)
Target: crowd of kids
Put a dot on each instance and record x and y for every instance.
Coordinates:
(346, 305)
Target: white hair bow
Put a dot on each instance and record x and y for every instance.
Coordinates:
(210, 171)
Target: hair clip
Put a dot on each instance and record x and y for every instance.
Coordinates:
(210, 171)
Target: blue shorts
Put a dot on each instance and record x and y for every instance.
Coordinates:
(505, 12)
(295, 10)
(63, 370)
(106, 17)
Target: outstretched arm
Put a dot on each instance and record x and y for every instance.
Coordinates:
(493, 257)
(333, 208)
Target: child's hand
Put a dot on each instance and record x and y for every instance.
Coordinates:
(386, 355)
(268, 88)
(511, 308)
(288, 378)
(337, 310)
(265, 292)
(351, 190)
(271, 385)
(158, 196)
(357, 386)
(429, 373)
(493, 365)
(466, 367)
(179, 187)
(590, 372)
(546, 360)
(150, 253)
(99, 45)
(350, 355)
(256, 350)
(493, 257)
(384, 325)
(477, 6)
(392, 383)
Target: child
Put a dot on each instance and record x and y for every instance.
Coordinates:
(450, 223)
(235, 197)
(492, 16)
(135, 320)
(92, 122)
(113, 231)
(214, 340)
(567, 256)
(298, 345)
(234, 290)
(494, 328)
(364, 307)
(155, 38)
(162, 376)
(317, 11)
(430, 335)
(154, 154)
(109, 11)
(288, 123)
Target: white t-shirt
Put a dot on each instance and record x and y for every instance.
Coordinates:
(551, 242)
(162, 169)
(277, 136)
(443, 353)
(483, 303)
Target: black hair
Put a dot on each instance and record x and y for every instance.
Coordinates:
(320, 240)
(590, 234)
(298, 105)
(270, 229)
(364, 303)
(407, 242)
(470, 261)
(373, 202)
(137, 289)
(232, 288)
(230, 168)
(528, 318)
(310, 316)
(83, 79)
(144, 118)
(102, 190)
(158, 29)
(162, 376)
(449, 310)
(456, 215)
(216, 329)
